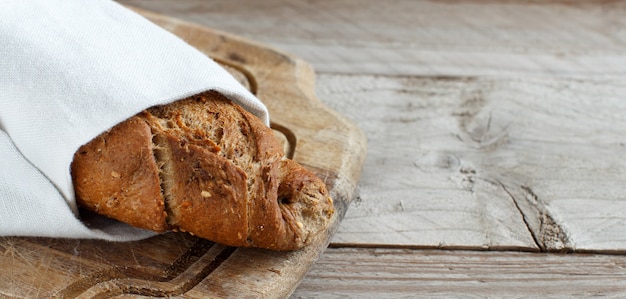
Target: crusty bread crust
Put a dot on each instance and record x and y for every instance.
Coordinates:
(116, 167)
(206, 166)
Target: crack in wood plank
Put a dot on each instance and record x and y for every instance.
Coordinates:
(532, 231)
(475, 130)
(548, 235)
(552, 235)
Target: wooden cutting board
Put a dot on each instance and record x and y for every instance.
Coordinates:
(177, 264)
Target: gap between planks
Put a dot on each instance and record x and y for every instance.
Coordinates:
(498, 248)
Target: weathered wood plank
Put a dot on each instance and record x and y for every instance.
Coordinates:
(453, 161)
(398, 273)
(460, 38)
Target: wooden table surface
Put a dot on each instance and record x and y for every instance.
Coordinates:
(496, 135)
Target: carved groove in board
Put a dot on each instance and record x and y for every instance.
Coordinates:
(245, 77)
(287, 137)
(179, 279)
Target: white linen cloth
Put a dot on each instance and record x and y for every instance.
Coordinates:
(69, 70)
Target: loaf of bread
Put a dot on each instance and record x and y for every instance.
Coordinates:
(205, 166)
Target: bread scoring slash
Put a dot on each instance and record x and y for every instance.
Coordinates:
(205, 166)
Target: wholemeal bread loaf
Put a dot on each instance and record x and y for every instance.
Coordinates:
(206, 166)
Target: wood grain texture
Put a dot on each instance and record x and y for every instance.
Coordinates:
(530, 163)
(397, 273)
(181, 265)
(439, 37)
